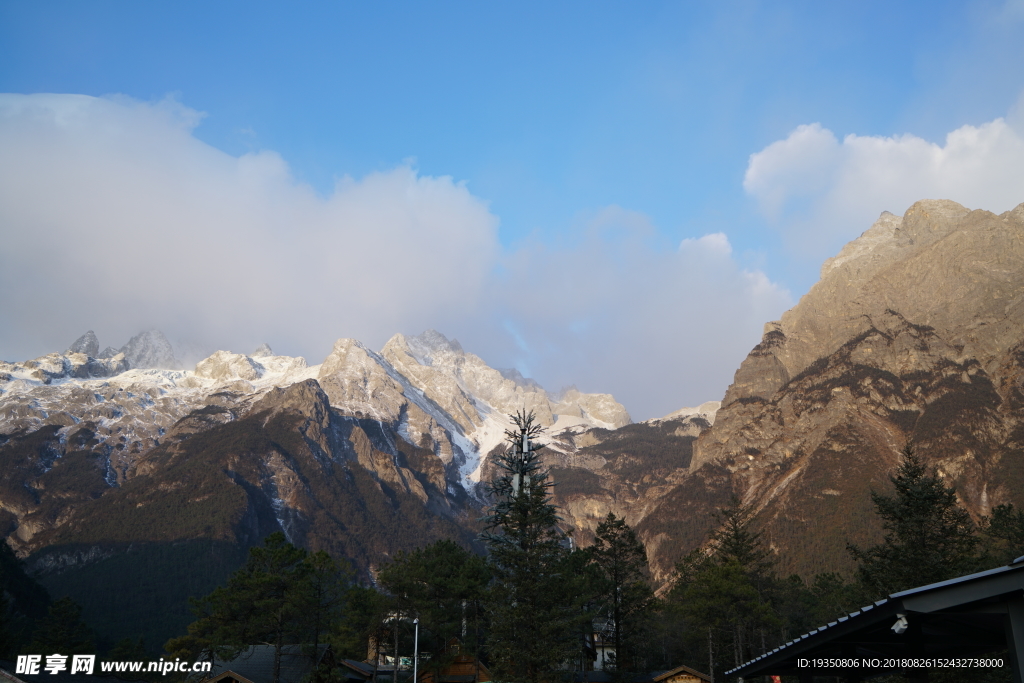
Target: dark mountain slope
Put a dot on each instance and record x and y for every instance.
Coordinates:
(186, 514)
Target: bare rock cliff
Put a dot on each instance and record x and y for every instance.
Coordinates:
(915, 332)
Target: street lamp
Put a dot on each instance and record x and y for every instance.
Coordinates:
(416, 649)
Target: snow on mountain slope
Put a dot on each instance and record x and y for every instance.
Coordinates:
(479, 398)
(130, 410)
(427, 388)
(707, 410)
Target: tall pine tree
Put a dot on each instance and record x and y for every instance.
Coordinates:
(1004, 535)
(535, 619)
(726, 593)
(265, 602)
(325, 585)
(928, 536)
(63, 631)
(622, 562)
(442, 584)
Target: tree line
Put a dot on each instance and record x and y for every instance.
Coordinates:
(532, 605)
(526, 609)
(728, 604)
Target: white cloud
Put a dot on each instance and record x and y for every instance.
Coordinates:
(822, 192)
(660, 328)
(716, 242)
(114, 217)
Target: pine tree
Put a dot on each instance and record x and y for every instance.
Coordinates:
(363, 625)
(1004, 535)
(928, 536)
(442, 584)
(321, 600)
(622, 561)
(534, 610)
(736, 540)
(63, 631)
(727, 592)
(6, 633)
(130, 649)
(23, 603)
(266, 601)
(269, 592)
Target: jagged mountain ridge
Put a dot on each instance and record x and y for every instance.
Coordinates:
(423, 390)
(114, 472)
(915, 333)
(147, 349)
(626, 471)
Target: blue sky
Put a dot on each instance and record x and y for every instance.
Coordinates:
(599, 138)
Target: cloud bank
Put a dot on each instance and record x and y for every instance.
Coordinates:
(822, 192)
(652, 323)
(115, 217)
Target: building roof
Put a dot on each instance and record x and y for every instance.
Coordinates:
(650, 677)
(962, 617)
(8, 677)
(462, 668)
(256, 665)
(356, 670)
(664, 676)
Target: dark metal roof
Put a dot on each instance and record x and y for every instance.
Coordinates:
(257, 664)
(8, 677)
(365, 667)
(601, 676)
(356, 670)
(961, 617)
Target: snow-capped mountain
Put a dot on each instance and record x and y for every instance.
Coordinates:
(112, 468)
(424, 389)
(365, 454)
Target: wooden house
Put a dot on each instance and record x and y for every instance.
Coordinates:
(256, 665)
(681, 674)
(461, 668)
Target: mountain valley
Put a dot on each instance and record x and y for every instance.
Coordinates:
(130, 483)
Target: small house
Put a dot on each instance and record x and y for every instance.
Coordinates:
(681, 674)
(256, 665)
(462, 668)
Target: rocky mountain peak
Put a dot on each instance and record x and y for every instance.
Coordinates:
(87, 344)
(262, 351)
(357, 381)
(421, 416)
(224, 365)
(912, 335)
(891, 238)
(517, 377)
(940, 265)
(150, 349)
(431, 345)
(469, 389)
(705, 411)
